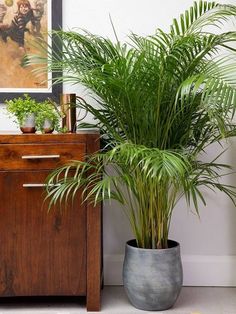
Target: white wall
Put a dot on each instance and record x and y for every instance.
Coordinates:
(208, 244)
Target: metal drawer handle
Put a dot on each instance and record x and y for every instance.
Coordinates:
(37, 185)
(40, 156)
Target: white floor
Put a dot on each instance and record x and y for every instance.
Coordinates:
(192, 300)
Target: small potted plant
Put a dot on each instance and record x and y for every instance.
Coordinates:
(47, 117)
(24, 109)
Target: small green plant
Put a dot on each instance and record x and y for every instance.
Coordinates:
(47, 112)
(21, 107)
(63, 129)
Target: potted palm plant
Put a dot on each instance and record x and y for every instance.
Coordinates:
(162, 100)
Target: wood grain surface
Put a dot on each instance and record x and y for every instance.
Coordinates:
(41, 253)
(39, 156)
(46, 254)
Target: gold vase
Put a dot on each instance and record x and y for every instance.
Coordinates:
(68, 108)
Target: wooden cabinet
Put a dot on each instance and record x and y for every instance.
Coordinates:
(41, 253)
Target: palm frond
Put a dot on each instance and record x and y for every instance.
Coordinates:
(202, 14)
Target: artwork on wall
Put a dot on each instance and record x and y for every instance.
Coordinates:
(22, 24)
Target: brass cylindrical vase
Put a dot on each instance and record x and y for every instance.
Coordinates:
(68, 108)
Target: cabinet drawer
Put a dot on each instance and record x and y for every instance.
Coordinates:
(37, 156)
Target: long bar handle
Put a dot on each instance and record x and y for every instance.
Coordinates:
(37, 185)
(40, 156)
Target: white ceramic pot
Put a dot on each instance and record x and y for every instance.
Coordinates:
(28, 125)
(47, 126)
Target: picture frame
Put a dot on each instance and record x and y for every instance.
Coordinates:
(54, 22)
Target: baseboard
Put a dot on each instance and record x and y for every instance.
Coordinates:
(198, 270)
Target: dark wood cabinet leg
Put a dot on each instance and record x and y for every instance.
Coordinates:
(93, 258)
(94, 264)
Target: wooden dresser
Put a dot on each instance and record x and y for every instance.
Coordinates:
(41, 253)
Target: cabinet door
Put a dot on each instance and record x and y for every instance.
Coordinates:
(41, 253)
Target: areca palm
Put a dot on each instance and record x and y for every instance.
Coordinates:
(161, 100)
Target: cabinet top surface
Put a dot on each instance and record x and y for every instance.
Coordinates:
(17, 137)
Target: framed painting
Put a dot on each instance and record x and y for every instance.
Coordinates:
(23, 22)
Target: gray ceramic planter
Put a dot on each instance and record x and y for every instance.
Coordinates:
(152, 278)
